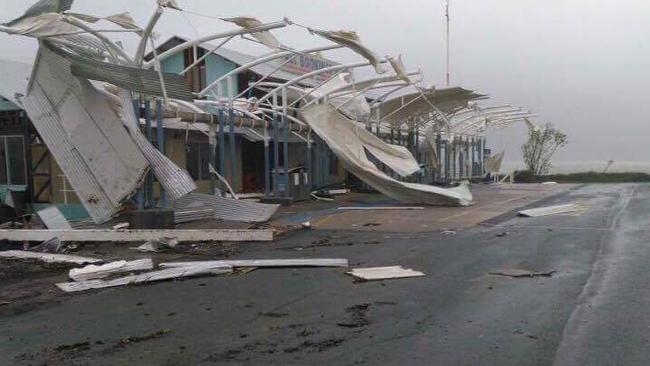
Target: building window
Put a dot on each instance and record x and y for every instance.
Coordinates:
(12, 160)
(197, 160)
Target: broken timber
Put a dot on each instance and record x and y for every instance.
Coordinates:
(103, 235)
(323, 262)
(47, 257)
(384, 273)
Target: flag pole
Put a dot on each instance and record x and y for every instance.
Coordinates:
(447, 16)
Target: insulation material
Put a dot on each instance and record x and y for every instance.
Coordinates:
(85, 136)
(197, 206)
(248, 23)
(493, 163)
(398, 67)
(340, 135)
(351, 40)
(396, 157)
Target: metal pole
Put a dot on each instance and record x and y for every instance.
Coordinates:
(160, 138)
(150, 177)
(310, 175)
(447, 16)
(222, 143)
(232, 157)
(139, 197)
(285, 125)
(267, 167)
(276, 147)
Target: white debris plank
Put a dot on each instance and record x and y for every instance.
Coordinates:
(47, 257)
(93, 272)
(317, 262)
(551, 210)
(384, 273)
(382, 208)
(162, 275)
(101, 235)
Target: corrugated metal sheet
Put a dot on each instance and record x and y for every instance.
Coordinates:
(54, 219)
(198, 206)
(131, 78)
(84, 135)
(176, 181)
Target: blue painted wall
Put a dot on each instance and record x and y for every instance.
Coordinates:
(6, 105)
(217, 67)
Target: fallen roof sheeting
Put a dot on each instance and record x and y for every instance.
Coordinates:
(384, 273)
(197, 206)
(165, 274)
(47, 257)
(384, 208)
(103, 235)
(340, 135)
(85, 136)
(313, 262)
(551, 210)
(93, 272)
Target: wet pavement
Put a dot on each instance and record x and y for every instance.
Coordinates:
(591, 311)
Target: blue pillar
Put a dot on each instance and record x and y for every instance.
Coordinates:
(233, 156)
(222, 143)
(160, 138)
(139, 196)
(267, 163)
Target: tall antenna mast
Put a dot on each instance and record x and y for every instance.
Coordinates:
(447, 16)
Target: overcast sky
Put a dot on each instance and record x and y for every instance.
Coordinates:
(582, 65)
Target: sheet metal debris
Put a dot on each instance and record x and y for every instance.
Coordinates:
(384, 273)
(156, 246)
(93, 272)
(162, 275)
(313, 262)
(47, 257)
(198, 206)
(552, 210)
(108, 235)
(381, 208)
(521, 273)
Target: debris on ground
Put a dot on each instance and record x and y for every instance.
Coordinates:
(522, 273)
(383, 273)
(109, 235)
(161, 275)
(358, 316)
(54, 245)
(552, 210)
(503, 234)
(368, 224)
(448, 232)
(261, 263)
(3, 303)
(92, 272)
(306, 225)
(122, 226)
(53, 218)
(137, 339)
(47, 257)
(380, 208)
(156, 246)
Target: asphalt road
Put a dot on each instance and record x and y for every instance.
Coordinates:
(592, 311)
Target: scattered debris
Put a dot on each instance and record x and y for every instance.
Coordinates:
(306, 225)
(371, 224)
(53, 218)
(75, 346)
(48, 257)
(320, 197)
(92, 272)
(109, 235)
(323, 262)
(162, 275)
(274, 315)
(448, 232)
(502, 234)
(156, 246)
(121, 226)
(383, 208)
(521, 273)
(130, 340)
(53, 245)
(551, 210)
(383, 273)
(549, 183)
(3, 303)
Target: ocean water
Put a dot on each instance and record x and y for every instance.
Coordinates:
(566, 167)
